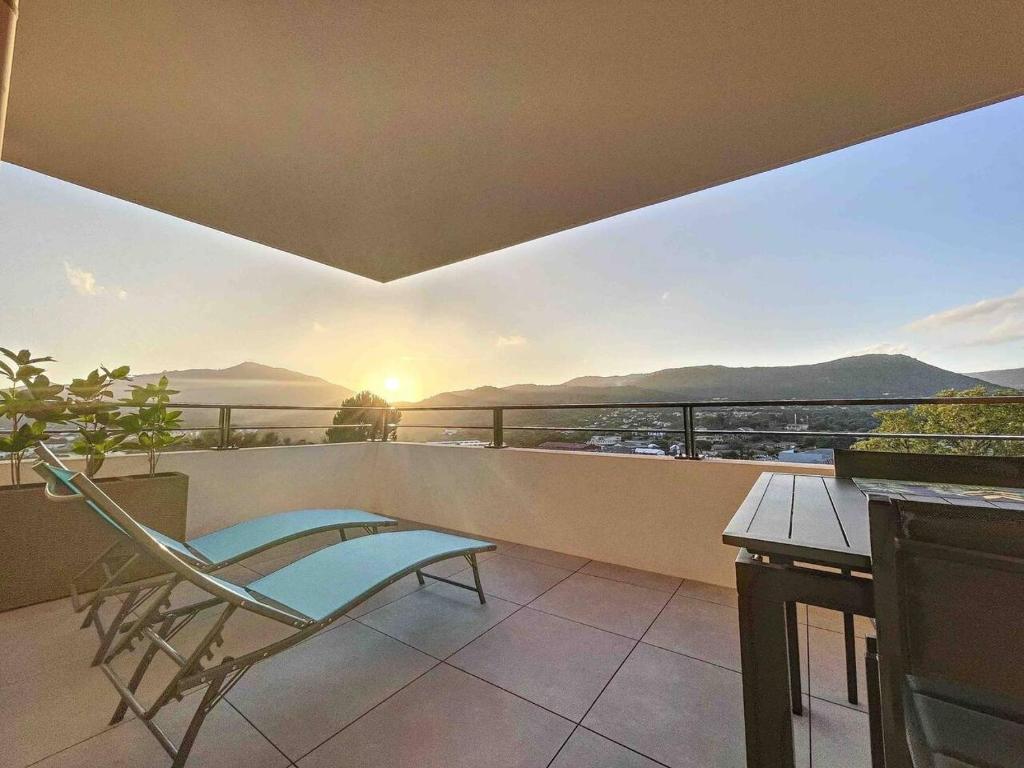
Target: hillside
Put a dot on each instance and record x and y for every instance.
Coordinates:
(251, 383)
(860, 376)
(1006, 377)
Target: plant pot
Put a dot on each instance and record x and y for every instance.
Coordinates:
(44, 544)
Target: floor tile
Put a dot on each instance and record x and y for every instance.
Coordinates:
(827, 667)
(544, 556)
(677, 710)
(440, 619)
(710, 592)
(512, 578)
(38, 718)
(633, 576)
(611, 605)
(586, 749)
(447, 719)
(839, 736)
(551, 661)
(308, 693)
(40, 641)
(704, 630)
(226, 740)
(833, 620)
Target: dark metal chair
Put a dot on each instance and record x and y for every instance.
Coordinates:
(949, 602)
(884, 465)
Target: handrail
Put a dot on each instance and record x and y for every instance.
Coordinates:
(689, 430)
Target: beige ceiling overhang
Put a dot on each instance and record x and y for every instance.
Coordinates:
(391, 138)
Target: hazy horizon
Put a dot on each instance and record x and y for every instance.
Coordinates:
(911, 243)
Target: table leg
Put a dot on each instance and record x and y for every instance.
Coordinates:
(764, 650)
(793, 640)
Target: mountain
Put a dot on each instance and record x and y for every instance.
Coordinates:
(251, 384)
(1007, 377)
(859, 376)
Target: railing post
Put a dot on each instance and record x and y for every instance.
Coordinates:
(224, 427)
(498, 431)
(690, 436)
(685, 452)
(383, 425)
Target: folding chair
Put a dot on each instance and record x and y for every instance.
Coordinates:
(208, 553)
(307, 595)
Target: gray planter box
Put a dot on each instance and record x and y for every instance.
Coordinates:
(44, 544)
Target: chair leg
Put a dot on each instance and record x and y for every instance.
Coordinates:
(108, 637)
(793, 640)
(850, 639)
(205, 706)
(419, 578)
(476, 579)
(140, 671)
(874, 703)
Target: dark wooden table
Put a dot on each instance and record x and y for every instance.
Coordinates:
(786, 524)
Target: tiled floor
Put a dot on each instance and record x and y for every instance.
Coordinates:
(570, 664)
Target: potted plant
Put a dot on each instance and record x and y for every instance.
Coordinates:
(92, 410)
(150, 428)
(42, 544)
(28, 403)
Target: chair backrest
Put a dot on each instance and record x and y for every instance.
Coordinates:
(58, 476)
(1006, 471)
(158, 546)
(949, 601)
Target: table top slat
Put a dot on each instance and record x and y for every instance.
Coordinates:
(773, 517)
(815, 521)
(851, 507)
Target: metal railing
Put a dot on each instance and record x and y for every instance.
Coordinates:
(688, 409)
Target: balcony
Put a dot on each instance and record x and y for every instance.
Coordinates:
(609, 636)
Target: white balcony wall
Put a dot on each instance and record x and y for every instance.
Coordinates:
(650, 513)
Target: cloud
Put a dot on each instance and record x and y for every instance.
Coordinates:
(665, 295)
(318, 328)
(511, 341)
(981, 324)
(83, 282)
(968, 313)
(1010, 329)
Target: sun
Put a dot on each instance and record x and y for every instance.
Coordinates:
(392, 384)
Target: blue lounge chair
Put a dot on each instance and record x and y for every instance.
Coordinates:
(307, 595)
(208, 553)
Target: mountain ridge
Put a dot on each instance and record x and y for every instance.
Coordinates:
(873, 375)
(1003, 377)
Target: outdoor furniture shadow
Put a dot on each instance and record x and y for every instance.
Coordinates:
(949, 597)
(208, 553)
(308, 595)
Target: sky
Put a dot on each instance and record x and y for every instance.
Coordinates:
(912, 243)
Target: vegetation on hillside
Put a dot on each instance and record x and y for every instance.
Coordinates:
(950, 419)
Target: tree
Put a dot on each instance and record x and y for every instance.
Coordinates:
(955, 418)
(361, 409)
